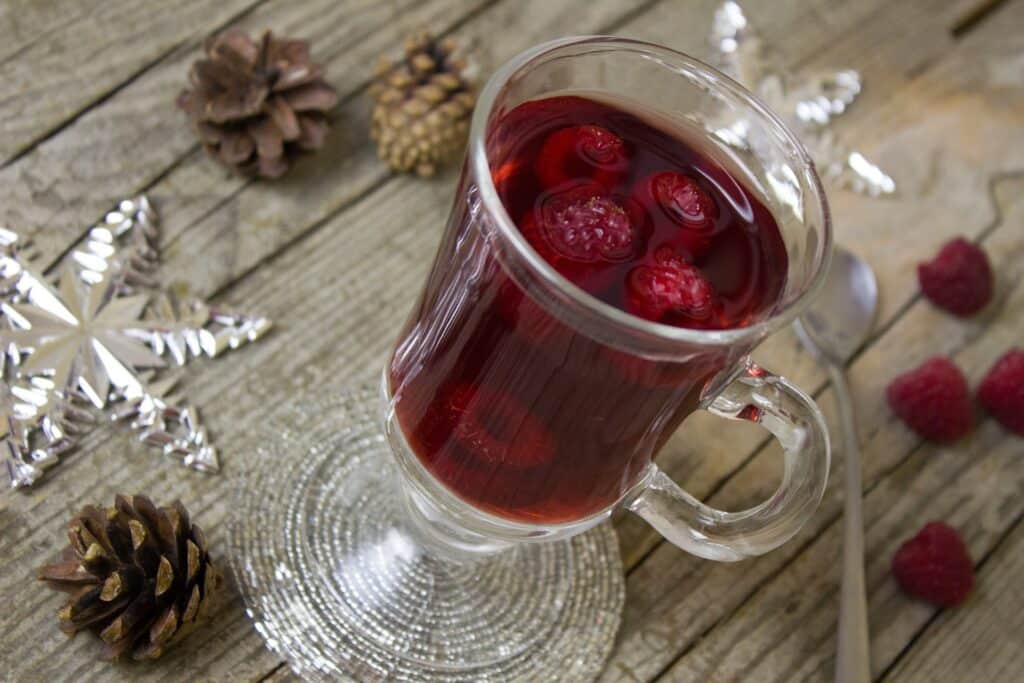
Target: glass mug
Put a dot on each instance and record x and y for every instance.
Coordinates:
(520, 408)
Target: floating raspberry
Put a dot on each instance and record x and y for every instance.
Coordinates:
(1002, 390)
(577, 153)
(958, 279)
(933, 400)
(586, 229)
(580, 230)
(494, 428)
(672, 289)
(678, 199)
(934, 566)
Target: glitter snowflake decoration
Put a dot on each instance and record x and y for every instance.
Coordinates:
(90, 346)
(807, 105)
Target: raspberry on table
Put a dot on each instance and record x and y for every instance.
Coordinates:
(933, 400)
(959, 278)
(1002, 391)
(935, 566)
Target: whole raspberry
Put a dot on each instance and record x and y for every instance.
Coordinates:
(588, 229)
(671, 290)
(495, 428)
(935, 566)
(678, 202)
(581, 231)
(582, 153)
(933, 400)
(958, 279)
(1002, 390)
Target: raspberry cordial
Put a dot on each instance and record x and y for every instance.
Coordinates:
(513, 409)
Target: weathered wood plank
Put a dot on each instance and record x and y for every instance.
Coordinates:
(328, 288)
(23, 22)
(84, 53)
(54, 193)
(984, 641)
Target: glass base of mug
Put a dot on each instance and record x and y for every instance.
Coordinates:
(341, 584)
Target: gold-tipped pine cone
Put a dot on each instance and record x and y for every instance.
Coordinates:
(140, 576)
(422, 106)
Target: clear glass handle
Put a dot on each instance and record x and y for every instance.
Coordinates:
(756, 395)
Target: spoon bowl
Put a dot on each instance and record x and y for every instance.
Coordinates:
(841, 318)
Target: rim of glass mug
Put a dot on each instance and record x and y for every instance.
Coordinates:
(654, 338)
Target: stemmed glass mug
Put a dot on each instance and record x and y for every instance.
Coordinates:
(521, 412)
(520, 408)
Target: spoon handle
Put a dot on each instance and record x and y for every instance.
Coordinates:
(853, 662)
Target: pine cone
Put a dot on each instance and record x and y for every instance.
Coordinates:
(140, 576)
(256, 106)
(423, 107)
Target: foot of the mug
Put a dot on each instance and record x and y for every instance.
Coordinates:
(341, 582)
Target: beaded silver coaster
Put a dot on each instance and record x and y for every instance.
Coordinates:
(334, 584)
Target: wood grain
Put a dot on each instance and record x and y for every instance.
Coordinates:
(65, 184)
(983, 641)
(64, 62)
(337, 251)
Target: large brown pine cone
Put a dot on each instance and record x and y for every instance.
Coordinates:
(423, 104)
(139, 575)
(256, 106)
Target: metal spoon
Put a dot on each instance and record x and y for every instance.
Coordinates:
(835, 326)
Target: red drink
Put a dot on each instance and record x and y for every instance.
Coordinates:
(520, 413)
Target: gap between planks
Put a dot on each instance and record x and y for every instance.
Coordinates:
(975, 16)
(348, 97)
(102, 97)
(978, 568)
(284, 248)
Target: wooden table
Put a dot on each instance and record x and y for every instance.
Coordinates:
(336, 251)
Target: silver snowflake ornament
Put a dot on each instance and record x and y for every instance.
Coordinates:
(84, 337)
(807, 105)
(90, 345)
